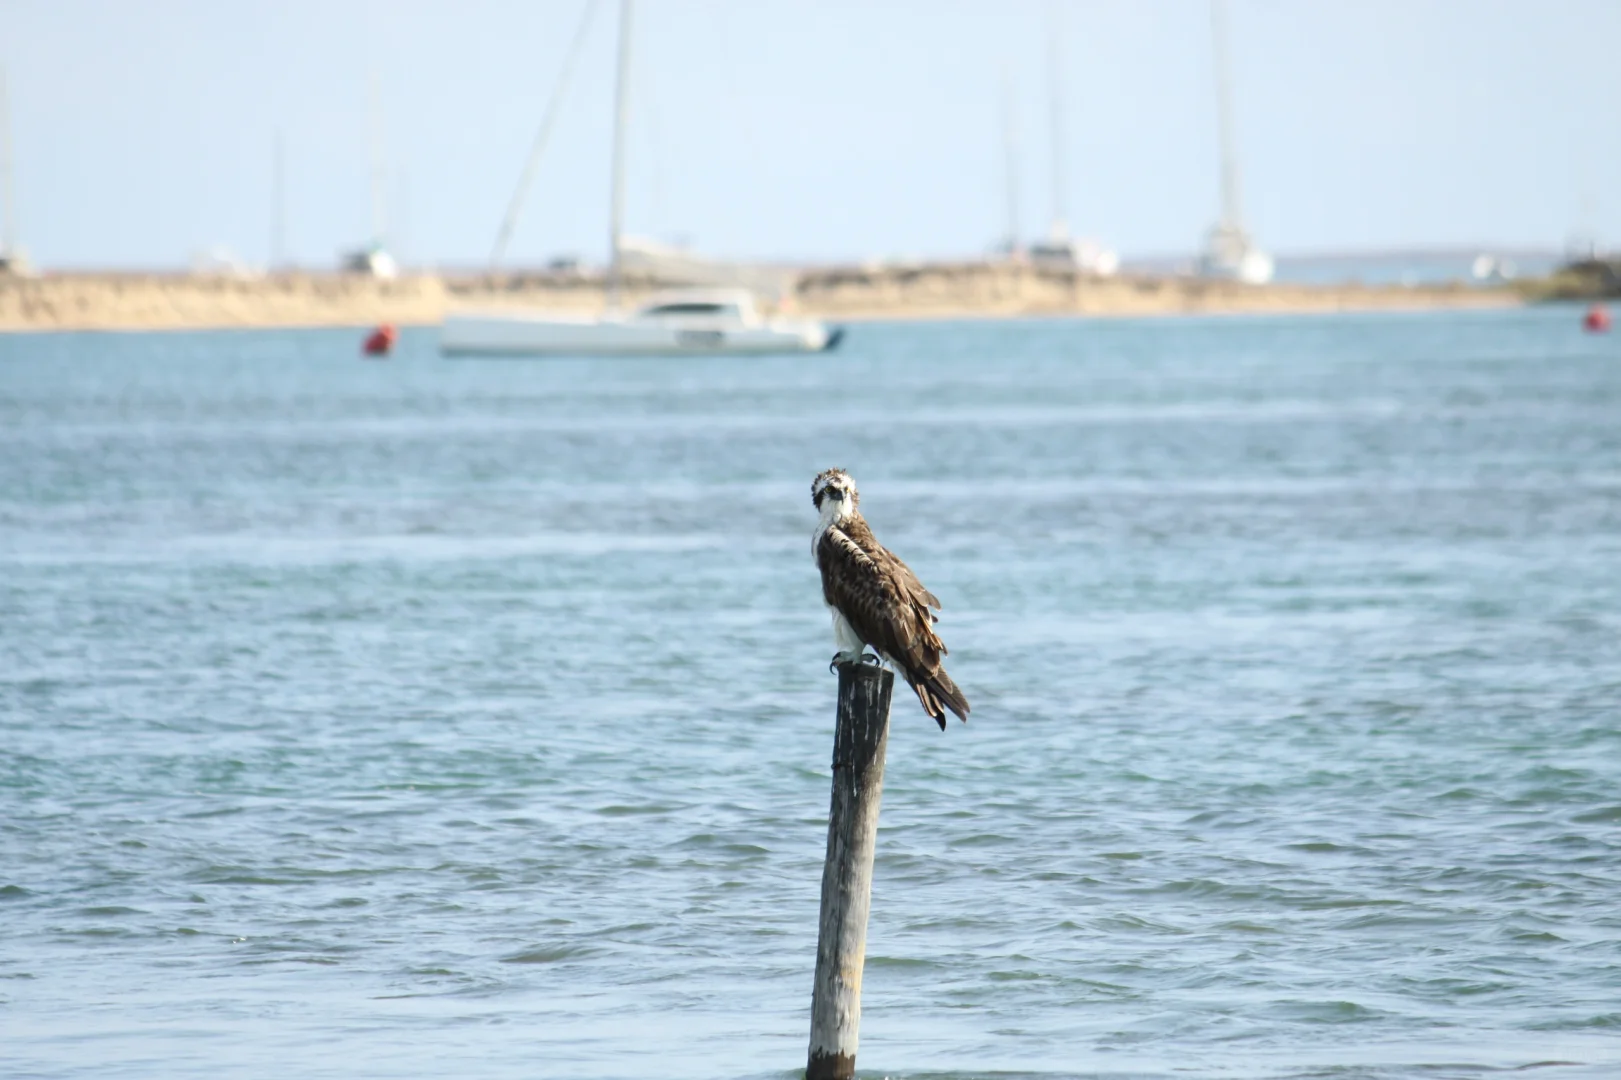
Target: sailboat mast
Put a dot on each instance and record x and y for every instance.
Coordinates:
(1055, 93)
(621, 122)
(278, 206)
(1010, 149)
(379, 169)
(1230, 213)
(8, 224)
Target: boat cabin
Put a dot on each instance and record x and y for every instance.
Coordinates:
(734, 306)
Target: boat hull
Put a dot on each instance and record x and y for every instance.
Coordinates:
(503, 334)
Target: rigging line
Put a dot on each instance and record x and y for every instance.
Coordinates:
(548, 121)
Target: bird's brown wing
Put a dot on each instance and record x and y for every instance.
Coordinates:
(886, 604)
(910, 585)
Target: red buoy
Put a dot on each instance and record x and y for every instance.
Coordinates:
(1597, 319)
(380, 342)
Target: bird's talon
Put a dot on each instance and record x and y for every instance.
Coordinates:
(872, 658)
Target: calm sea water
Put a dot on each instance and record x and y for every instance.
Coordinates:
(442, 718)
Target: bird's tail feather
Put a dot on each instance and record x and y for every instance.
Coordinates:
(936, 692)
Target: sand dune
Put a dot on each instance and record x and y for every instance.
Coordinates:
(185, 301)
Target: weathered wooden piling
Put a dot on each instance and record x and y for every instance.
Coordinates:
(859, 743)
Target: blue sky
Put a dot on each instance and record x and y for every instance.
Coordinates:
(805, 129)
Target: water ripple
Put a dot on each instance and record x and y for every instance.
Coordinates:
(426, 718)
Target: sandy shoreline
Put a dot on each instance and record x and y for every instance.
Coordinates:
(944, 290)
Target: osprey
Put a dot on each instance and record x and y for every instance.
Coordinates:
(876, 599)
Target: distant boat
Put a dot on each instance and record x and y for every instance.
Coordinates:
(681, 321)
(1086, 256)
(1229, 252)
(374, 259)
(220, 262)
(1489, 268)
(1061, 250)
(692, 321)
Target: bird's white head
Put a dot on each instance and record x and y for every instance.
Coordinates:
(835, 496)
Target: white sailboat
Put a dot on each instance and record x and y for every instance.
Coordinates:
(374, 260)
(706, 321)
(1229, 251)
(1012, 245)
(680, 321)
(1059, 248)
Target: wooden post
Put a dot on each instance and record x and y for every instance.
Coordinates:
(852, 831)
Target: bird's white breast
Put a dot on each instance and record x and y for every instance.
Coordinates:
(831, 514)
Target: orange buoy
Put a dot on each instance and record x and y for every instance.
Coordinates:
(380, 342)
(1597, 319)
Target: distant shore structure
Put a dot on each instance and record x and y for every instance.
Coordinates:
(1229, 252)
